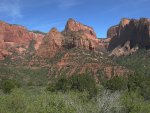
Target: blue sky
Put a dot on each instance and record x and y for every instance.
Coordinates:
(44, 14)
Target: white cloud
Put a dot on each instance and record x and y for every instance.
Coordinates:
(10, 8)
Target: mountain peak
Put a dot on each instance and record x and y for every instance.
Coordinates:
(124, 21)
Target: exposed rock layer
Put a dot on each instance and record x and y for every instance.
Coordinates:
(75, 35)
(14, 38)
(136, 32)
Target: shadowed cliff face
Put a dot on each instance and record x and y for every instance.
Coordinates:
(123, 39)
(136, 32)
(76, 50)
(75, 35)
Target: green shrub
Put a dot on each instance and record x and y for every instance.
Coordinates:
(116, 83)
(30, 83)
(63, 84)
(134, 103)
(51, 87)
(84, 82)
(79, 83)
(140, 83)
(31, 45)
(7, 85)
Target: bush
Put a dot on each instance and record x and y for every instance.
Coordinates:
(84, 83)
(51, 87)
(134, 103)
(30, 83)
(63, 84)
(140, 83)
(77, 82)
(7, 85)
(109, 102)
(116, 83)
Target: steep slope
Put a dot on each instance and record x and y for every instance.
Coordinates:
(78, 61)
(51, 44)
(75, 35)
(82, 36)
(76, 50)
(17, 38)
(129, 35)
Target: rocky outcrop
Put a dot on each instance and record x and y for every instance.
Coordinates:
(17, 34)
(124, 50)
(81, 36)
(51, 44)
(135, 32)
(111, 71)
(114, 31)
(74, 26)
(75, 35)
(17, 38)
(14, 33)
(38, 39)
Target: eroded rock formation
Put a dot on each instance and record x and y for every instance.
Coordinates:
(51, 44)
(135, 32)
(15, 38)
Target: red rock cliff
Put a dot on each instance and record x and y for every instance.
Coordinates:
(135, 32)
(81, 36)
(14, 36)
(51, 44)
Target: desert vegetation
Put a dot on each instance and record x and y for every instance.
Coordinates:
(30, 90)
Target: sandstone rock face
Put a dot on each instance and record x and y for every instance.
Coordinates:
(81, 36)
(17, 34)
(51, 44)
(13, 33)
(125, 50)
(114, 31)
(75, 35)
(111, 71)
(136, 32)
(38, 39)
(73, 26)
(13, 37)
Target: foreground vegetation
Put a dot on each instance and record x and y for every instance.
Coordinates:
(29, 90)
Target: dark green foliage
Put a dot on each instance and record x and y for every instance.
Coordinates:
(116, 83)
(63, 84)
(130, 83)
(51, 87)
(84, 83)
(24, 76)
(139, 62)
(31, 46)
(141, 84)
(30, 83)
(7, 85)
(134, 103)
(77, 82)
(39, 32)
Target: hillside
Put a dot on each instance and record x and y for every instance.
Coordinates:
(73, 71)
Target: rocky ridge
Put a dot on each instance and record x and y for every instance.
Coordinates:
(129, 36)
(76, 49)
(16, 38)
